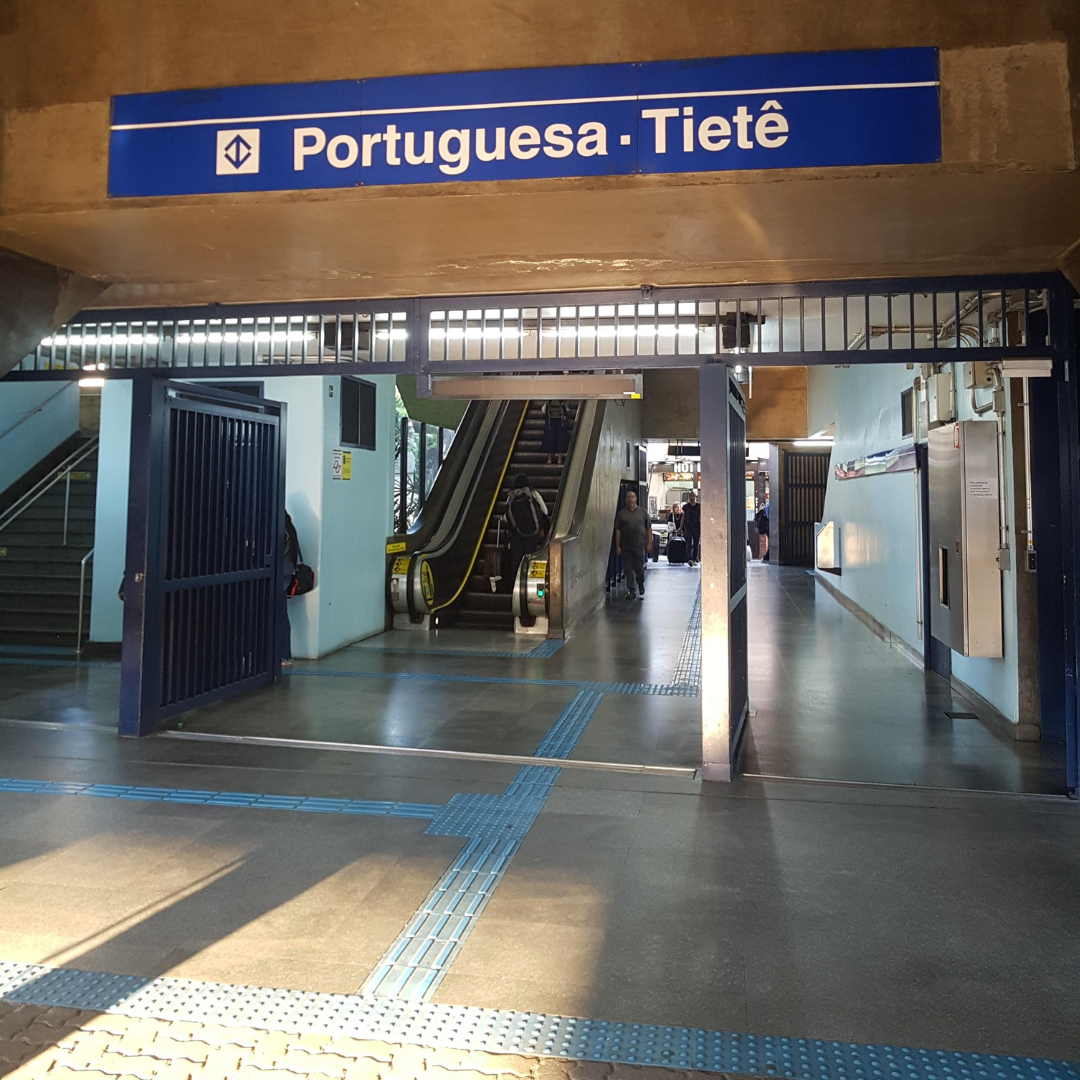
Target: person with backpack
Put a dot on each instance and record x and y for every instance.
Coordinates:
(527, 520)
(290, 557)
(761, 520)
(555, 440)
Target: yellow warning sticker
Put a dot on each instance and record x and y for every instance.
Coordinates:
(395, 547)
(427, 582)
(537, 568)
(400, 566)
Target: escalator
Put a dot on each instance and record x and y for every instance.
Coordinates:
(478, 606)
(436, 569)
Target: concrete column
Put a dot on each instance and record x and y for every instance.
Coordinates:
(716, 717)
(35, 299)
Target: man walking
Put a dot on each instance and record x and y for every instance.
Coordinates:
(633, 538)
(691, 527)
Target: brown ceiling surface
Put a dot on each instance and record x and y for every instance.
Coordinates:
(561, 235)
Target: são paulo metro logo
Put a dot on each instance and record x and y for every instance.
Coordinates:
(237, 151)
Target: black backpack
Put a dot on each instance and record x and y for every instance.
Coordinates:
(523, 512)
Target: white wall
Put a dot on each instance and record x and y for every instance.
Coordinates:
(110, 522)
(342, 524)
(878, 516)
(39, 434)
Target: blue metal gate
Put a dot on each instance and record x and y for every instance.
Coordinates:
(205, 530)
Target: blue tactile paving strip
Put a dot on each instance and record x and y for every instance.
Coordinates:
(544, 651)
(414, 966)
(688, 668)
(243, 799)
(563, 735)
(508, 1032)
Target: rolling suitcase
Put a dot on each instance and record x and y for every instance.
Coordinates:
(676, 550)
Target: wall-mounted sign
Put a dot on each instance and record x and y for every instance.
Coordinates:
(681, 477)
(341, 465)
(799, 110)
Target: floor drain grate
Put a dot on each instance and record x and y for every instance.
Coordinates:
(961, 716)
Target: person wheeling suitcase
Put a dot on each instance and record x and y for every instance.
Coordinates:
(691, 528)
(676, 550)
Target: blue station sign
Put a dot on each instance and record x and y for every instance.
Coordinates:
(799, 110)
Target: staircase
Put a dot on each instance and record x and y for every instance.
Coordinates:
(39, 573)
(479, 607)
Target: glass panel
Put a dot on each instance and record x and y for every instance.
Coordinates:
(944, 320)
(706, 328)
(530, 333)
(855, 331)
(834, 324)
(901, 321)
(993, 310)
(768, 335)
(924, 321)
(605, 330)
(473, 334)
(812, 325)
(586, 332)
(646, 327)
(626, 343)
(548, 332)
(879, 322)
(791, 326)
(399, 335)
(666, 330)
(1014, 318)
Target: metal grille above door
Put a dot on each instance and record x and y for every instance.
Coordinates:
(205, 525)
(805, 476)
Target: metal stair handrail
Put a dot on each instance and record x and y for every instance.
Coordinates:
(65, 468)
(33, 411)
(82, 602)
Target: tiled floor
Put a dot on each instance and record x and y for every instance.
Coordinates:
(858, 914)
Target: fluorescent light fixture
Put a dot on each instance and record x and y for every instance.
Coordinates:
(526, 387)
(91, 382)
(812, 442)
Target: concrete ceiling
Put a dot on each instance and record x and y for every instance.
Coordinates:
(561, 235)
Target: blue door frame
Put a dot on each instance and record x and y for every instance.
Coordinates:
(202, 580)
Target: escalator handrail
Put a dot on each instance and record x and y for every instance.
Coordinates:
(450, 473)
(519, 603)
(487, 518)
(445, 531)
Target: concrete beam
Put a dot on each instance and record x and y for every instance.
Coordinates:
(35, 299)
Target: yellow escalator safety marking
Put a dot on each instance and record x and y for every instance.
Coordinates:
(537, 568)
(427, 582)
(400, 566)
(394, 548)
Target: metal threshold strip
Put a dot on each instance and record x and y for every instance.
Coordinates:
(770, 778)
(415, 751)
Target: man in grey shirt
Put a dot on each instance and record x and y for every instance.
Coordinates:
(633, 538)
